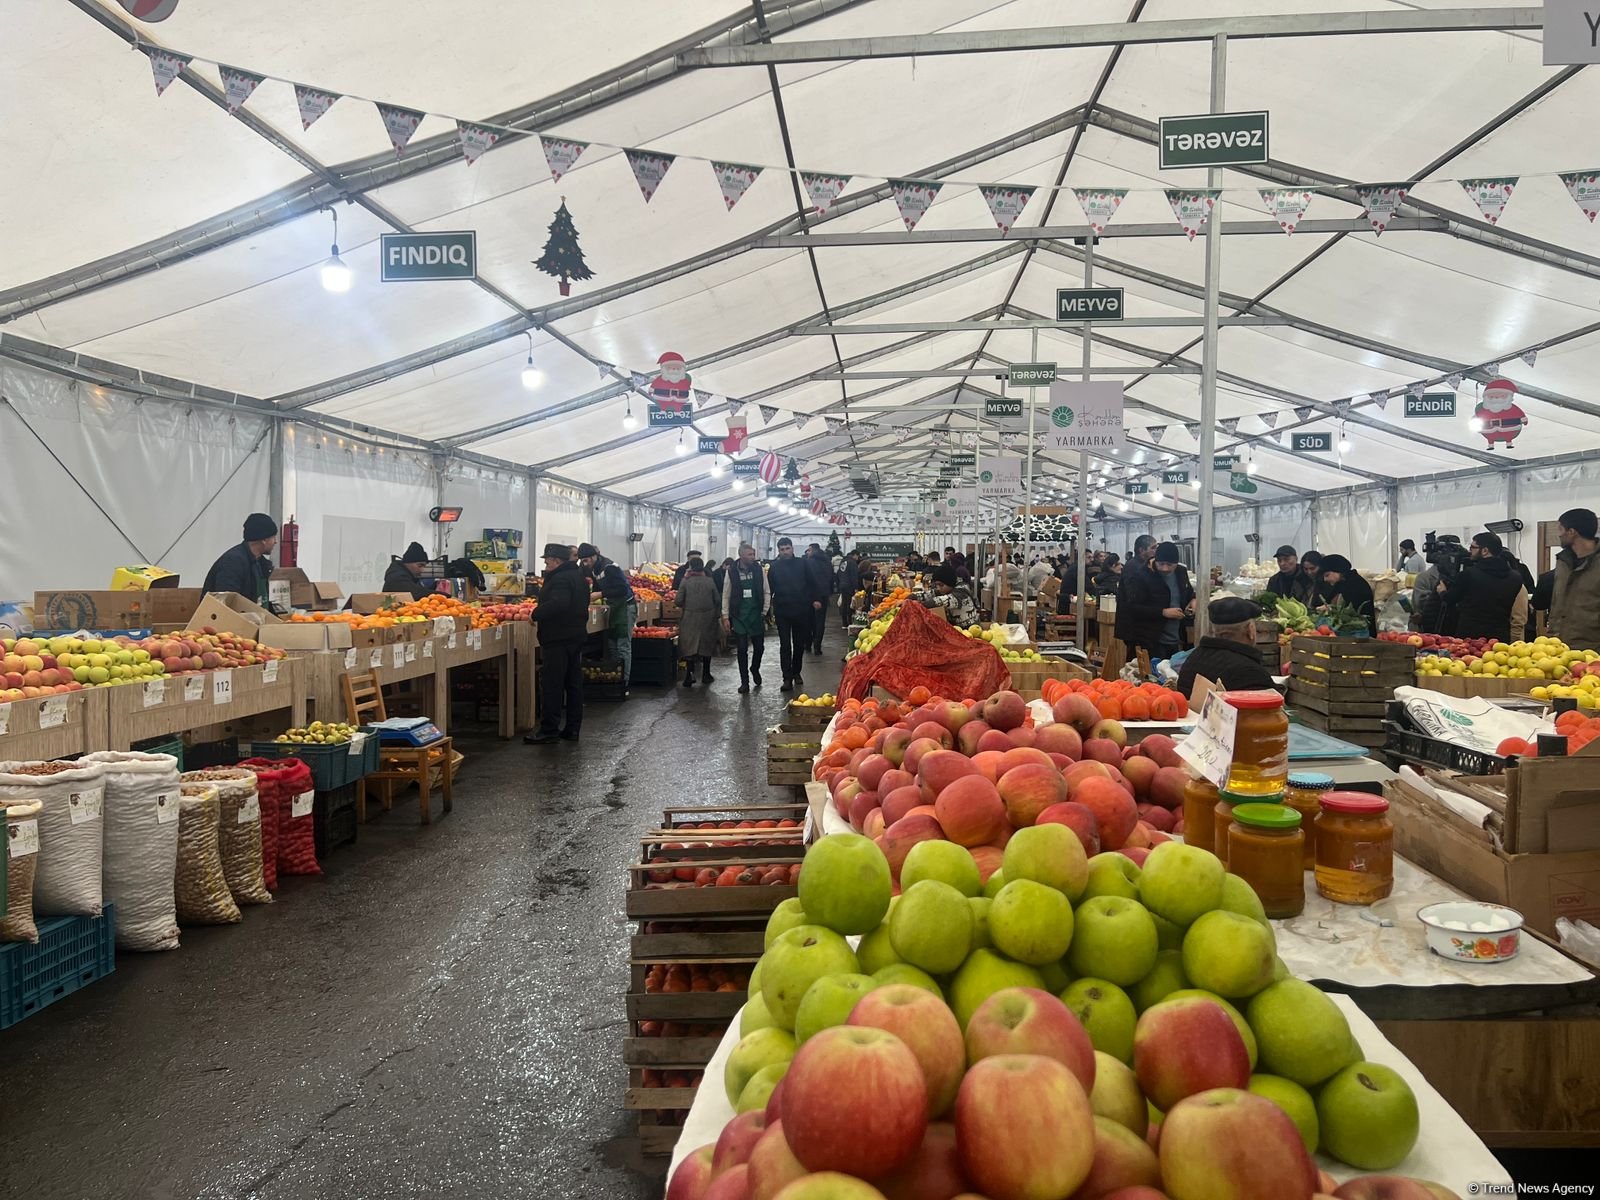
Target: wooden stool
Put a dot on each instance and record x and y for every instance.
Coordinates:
(363, 703)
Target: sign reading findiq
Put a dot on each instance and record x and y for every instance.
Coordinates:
(409, 257)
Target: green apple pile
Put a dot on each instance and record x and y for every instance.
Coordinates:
(319, 733)
(1067, 1027)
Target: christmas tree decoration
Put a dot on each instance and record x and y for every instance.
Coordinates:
(834, 548)
(563, 257)
(791, 472)
(1497, 416)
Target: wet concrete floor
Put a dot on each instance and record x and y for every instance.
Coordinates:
(440, 1015)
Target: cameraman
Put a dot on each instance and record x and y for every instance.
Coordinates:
(1484, 591)
(1431, 611)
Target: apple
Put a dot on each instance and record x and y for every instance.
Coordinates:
(1024, 1127)
(996, 881)
(828, 1002)
(1116, 1094)
(931, 927)
(1295, 1101)
(772, 1164)
(875, 950)
(1139, 771)
(1184, 1047)
(980, 906)
(1368, 1116)
(894, 745)
(899, 803)
(754, 1016)
(993, 741)
(967, 739)
(1109, 730)
(1050, 854)
(1102, 750)
(1022, 738)
(1302, 1034)
(1238, 896)
(862, 804)
(918, 747)
(763, 1048)
(1167, 787)
(929, 1030)
(1114, 939)
(1228, 1142)
(1394, 1187)
(934, 1172)
(934, 732)
(1157, 818)
(829, 1185)
(1122, 1159)
(895, 778)
(799, 958)
(1005, 711)
(1076, 710)
(938, 769)
(873, 824)
(1181, 882)
(970, 810)
(1076, 818)
(854, 1101)
(1031, 922)
(904, 972)
(1021, 1020)
(1059, 739)
(981, 976)
(1106, 1014)
(1229, 954)
(1027, 790)
(872, 770)
(944, 861)
(1164, 978)
(693, 1176)
(988, 859)
(906, 833)
(1161, 748)
(1234, 1015)
(1112, 874)
(738, 1138)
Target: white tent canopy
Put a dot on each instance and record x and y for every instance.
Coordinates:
(169, 361)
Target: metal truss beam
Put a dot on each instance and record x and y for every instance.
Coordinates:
(1003, 326)
(1152, 229)
(991, 373)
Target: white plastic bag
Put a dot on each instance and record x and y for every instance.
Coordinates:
(141, 847)
(71, 832)
(1580, 939)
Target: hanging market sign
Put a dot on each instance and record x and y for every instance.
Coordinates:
(747, 470)
(886, 549)
(1030, 375)
(678, 414)
(1135, 489)
(1312, 443)
(1001, 476)
(948, 470)
(1431, 404)
(709, 445)
(1089, 304)
(1213, 140)
(409, 257)
(1174, 477)
(1003, 406)
(777, 493)
(1223, 462)
(963, 458)
(1085, 416)
(1571, 32)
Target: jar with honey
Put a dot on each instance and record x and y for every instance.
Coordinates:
(1222, 820)
(1199, 814)
(1304, 795)
(1355, 848)
(1260, 765)
(1264, 849)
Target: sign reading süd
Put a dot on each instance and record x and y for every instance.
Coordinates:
(1312, 443)
(408, 257)
(1084, 416)
(1431, 404)
(1089, 304)
(1002, 406)
(1030, 375)
(1213, 140)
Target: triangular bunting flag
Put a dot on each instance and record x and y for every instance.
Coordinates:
(1229, 425)
(1005, 202)
(769, 414)
(1193, 431)
(605, 369)
(1491, 195)
(1493, 368)
(475, 139)
(313, 103)
(1192, 207)
(1455, 380)
(1303, 413)
(1529, 357)
(401, 124)
(1381, 399)
(734, 179)
(701, 399)
(1380, 202)
(237, 86)
(913, 198)
(1099, 205)
(1269, 419)
(167, 66)
(649, 169)
(735, 407)
(560, 154)
(1156, 432)
(1417, 389)
(822, 188)
(1286, 206)
(834, 424)
(1582, 186)
(639, 379)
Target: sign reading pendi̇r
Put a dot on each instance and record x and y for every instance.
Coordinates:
(1431, 404)
(1213, 140)
(408, 257)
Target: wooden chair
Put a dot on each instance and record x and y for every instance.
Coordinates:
(363, 703)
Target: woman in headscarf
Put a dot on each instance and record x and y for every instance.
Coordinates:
(1345, 586)
(697, 628)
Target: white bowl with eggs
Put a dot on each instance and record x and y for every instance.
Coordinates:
(1471, 931)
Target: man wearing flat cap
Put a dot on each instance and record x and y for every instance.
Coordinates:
(405, 573)
(563, 621)
(245, 568)
(611, 582)
(1227, 655)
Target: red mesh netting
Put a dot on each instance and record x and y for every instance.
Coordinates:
(288, 780)
(923, 649)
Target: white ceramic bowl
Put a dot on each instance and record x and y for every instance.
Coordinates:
(1469, 931)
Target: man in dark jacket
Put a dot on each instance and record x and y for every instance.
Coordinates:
(821, 568)
(611, 582)
(796, 600)
(1152, 603)
(245, 568)
(1144, 549)
(1291, 583)
(1228, 656)
(405, 573)
(677, 576)
(849, 584)
(1575, 591)
(1483, 591)
(1344, 585)
(563, 621)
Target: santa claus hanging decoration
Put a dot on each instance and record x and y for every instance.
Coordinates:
(669, 391)
(1497, 415)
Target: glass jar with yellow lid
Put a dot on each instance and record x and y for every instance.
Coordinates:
(1199, 814)
(1264, 849)
(1355, 848)
(1260, 765)
(1222, 819)
(1304, 795)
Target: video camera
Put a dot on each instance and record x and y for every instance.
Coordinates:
(1446, 552)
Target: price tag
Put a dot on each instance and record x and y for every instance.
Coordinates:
(167, 808)
(249, 811)
(358, 742)
(451, 643)
(411, 652)
(499, 633)
(375, 659)
(269, 671)
(427, 648)
(443, 626)
(302, 804)
(399, 654)
(24, 838)
(5, 717)
(193, 688)
(155, 692)
(86, 806)
(222, 687)
(53, 712)
(350, 659)
(1209, 747)
(475, 639)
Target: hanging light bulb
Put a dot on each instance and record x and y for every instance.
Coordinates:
(716, 468)
(1476, 424)
(738, 485)
(532, 377)
(335, 274)
(1122, 505)
(772, 501)
(1344, 441)
(629, 421)
(1157, 496)
(1250, 467)
(1195, 483)
(680, 449)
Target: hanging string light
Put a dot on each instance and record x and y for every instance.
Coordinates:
(716, 468)
(1344, 440)
(680, 449)
(532, 377)
(335, 274)
(629, 421)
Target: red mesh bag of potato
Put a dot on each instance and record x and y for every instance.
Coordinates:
(923, 650)
(289, 780)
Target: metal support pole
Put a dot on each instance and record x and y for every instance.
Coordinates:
(1391, 497)
(1027, 509)
(1208, 362)
(275, 457)
(530, 539)
(1081, 624)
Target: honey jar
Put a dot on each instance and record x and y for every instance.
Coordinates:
(1222, 820)
(1199, 814)
(1264, 849)
(1355, 848)
(1304, 795)
(1260, 765)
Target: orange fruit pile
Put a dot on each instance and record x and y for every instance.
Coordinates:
(1121, 700)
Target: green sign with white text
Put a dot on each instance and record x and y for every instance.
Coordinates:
(1213, 140)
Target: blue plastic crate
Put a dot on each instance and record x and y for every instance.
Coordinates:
(70, 952)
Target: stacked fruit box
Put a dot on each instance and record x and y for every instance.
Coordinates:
(790, 754)
(704, 886)
(1342, 686)
(1267, 635)
(809, 716)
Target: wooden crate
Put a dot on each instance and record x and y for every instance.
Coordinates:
(808, 716)
(49, 727)
(1341, 686)
(655, 1099)
(1027, 678)
(1490, 687)
(1267, 635)
(680, 900)
(677, 817)
(790, 755)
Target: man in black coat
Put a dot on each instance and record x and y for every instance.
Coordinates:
(1484, 590)
(849, 584)
(796, 600)
(1291, 583)
(245, 568)
(1152, 603)
(683, 568)
(821, 568)
(1343, 584)
(1227, 656)
(405, 573)
(563, 621)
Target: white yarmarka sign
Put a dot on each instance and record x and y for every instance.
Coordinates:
(1571, 32)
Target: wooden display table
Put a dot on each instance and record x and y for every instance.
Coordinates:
(524, 637)
(55, 726)
(649, 611)
(214, 700)
(494, 645)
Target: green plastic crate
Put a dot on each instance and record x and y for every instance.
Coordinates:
(70, 953)
(332, 767)
(172, 746)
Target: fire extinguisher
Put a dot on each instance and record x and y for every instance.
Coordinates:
(289, 543)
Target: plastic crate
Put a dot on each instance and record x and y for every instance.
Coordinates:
(212, 754)
(334, 819)
(172, 746)
(1404, 742)
(70, 952)
(332, 767)
(657, 670)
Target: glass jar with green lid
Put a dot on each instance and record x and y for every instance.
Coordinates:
(1304, 795)
(1223, 818)
(1264, 849)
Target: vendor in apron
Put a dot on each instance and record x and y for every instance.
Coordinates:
(746, 600)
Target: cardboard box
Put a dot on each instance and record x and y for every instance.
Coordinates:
(1489, 687)
(290, 587)
(304, 635)
(1541, 887)
(142, 578)
(67, 612)
(173, 605)
(413, 631)
(231, 612)
(367, 603)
